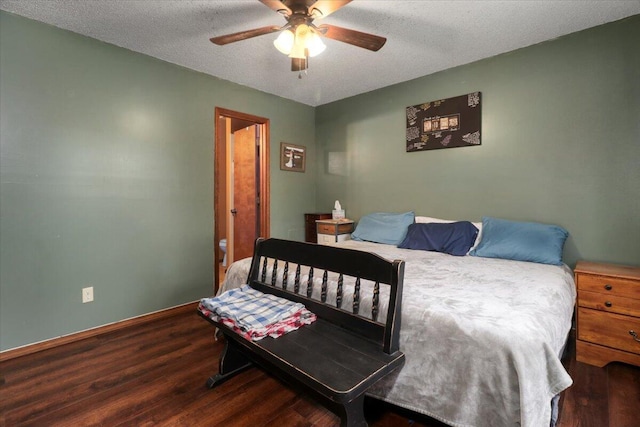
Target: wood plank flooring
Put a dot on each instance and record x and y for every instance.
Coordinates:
(154, 375)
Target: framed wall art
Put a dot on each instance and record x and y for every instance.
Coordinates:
(292, 157)
(445, 123)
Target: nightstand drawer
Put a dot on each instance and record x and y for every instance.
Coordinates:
(610, 303)
(609, 329)
(609, 285)
(326, 228)
(335, 228)
(324, 239)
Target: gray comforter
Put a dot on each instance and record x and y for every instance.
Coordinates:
(481, 336)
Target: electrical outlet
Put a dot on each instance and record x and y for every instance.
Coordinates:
(87, 294)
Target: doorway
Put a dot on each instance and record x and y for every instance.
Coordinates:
(241, 187)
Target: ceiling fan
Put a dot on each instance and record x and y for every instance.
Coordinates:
(300, 38)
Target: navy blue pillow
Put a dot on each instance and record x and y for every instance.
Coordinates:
(454, 238)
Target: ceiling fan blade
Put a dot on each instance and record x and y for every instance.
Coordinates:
(326, 7)
(277, 5)
(242, 35)
(356, 38)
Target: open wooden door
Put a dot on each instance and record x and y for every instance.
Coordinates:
(241, 185)
(246, 228)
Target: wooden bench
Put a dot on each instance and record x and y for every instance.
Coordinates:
(342, 354)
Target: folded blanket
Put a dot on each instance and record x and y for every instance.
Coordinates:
(301, 318)
(254, 314)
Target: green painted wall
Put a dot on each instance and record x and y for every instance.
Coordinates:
(106, 179)
(560, 144)
(106, 175)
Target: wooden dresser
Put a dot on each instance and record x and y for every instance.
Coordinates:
(310, 233)
(608, 313)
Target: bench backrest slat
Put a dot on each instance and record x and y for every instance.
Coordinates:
(296, 285)
(345, 262)
(310, 282)
(285, 275)
(339, 291)
(323, 295)
(356, 297)
(376, 301)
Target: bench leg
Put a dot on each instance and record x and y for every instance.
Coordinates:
(354, 413)
(232, 362)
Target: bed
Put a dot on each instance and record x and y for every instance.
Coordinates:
(482, 336)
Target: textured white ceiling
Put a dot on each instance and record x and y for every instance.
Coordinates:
(422, 36)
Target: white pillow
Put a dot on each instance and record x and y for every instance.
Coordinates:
(427, 219)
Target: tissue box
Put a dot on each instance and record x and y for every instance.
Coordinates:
(337, 214)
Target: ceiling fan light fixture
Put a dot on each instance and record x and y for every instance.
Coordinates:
(298, 51)
(315, 45)
(306, 43)
(302, 32)
(284, 42)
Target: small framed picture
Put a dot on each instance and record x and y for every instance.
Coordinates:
(292, 157)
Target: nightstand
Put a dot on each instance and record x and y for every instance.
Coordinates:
(334, 230)
(608, 313)
(310, 227)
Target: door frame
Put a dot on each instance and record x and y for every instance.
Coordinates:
(264, 174)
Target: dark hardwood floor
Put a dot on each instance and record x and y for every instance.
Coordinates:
(154, 375)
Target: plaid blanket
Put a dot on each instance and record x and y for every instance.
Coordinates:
(255, 315)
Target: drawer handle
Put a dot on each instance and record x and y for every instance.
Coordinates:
(634, 335)
(608, 304)
(608, 287)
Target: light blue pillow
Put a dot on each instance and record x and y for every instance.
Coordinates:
(521, 241)
(383, 227)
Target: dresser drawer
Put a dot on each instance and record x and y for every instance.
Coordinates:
(609, 285)
(611, 303)
(609, 329)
